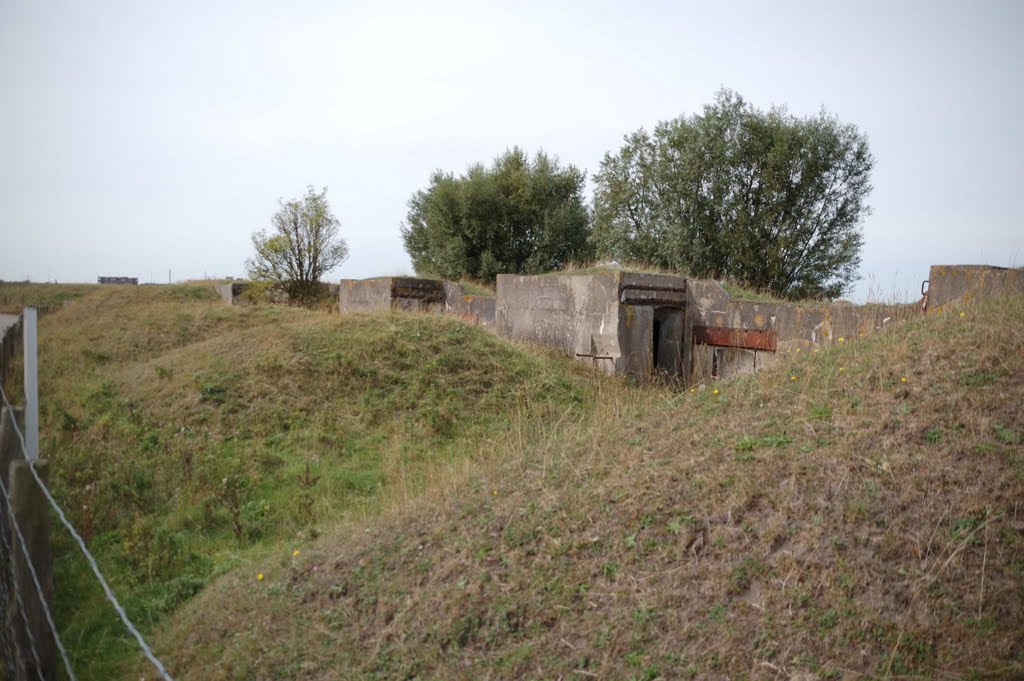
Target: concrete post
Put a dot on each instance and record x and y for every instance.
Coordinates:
(31, 430)
(29, 508)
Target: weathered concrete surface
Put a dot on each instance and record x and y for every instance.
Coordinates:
(476, 309)
(797, 327)
(405, 293)
(621, 322)
(964, 284)
(232, 293)
(412, 293)
(643, 324)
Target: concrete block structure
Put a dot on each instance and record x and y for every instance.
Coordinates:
(476, 309)
(690, 331)
(621, 322)
(737, 336)
(231, 293)
(412, 293)
(654, 325)
(403, 293)
(964, 284)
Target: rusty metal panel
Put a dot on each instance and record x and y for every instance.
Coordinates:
(727, 337)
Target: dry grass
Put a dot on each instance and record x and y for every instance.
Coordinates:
(855, 513)
(189, 437)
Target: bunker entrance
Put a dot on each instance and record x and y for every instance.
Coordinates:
(667, 341)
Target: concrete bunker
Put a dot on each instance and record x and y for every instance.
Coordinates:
(235, 293)
(690, 331)
(414, 293)
(620, 322)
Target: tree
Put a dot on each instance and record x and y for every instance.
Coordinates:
(518, 216)
(303, 245)
(765, 198)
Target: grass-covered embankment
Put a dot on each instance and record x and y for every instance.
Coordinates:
(189, 438)
(857, 512)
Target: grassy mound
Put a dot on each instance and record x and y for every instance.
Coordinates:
(189, 437)
(857, 511)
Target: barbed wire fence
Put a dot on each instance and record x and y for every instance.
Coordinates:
(30, 640)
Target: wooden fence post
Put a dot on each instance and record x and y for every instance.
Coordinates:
(10, 450)
(31, 513)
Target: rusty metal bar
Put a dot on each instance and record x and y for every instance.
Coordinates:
(727, 337)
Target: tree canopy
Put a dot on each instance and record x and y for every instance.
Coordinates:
(762, 197)
(518, 216)
(303, 245)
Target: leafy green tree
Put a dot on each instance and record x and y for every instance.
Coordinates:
(303, 245)
(518, 216)
(765, 198)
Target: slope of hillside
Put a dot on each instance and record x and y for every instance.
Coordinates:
(857, 512)
(189, 437)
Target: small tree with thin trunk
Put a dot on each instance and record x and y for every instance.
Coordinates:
(301, 247)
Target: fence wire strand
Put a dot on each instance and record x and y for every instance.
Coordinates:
(35, 577)
(17, 594)
(88, 556)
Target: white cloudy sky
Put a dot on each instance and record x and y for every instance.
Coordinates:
(141, 137)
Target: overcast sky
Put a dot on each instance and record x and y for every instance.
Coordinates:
(141, 137)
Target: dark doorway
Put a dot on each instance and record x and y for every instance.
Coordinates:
(667, 341)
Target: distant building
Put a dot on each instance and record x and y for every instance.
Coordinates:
(129, 281)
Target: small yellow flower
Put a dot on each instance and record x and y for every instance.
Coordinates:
(494, 492)
(842, 369)
(693, 390)
(798, 349)
(793, 377)
(903, 379)
(963, 314)
(259, 577)
(842, 340)
(715, 392)
(295, 552)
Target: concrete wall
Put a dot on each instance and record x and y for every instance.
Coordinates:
(364, 294)
(232, 293)
(411, 293)
(964, 284)
(579, 314)
(404, 293)
(643, 324)
(476, 309)
(796, 326)
(607, 319)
